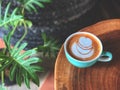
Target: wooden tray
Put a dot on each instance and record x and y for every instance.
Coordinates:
(101, 76)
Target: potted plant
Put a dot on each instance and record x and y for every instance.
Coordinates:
(22, 65)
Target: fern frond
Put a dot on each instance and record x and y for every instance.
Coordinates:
(10, 19)
(50, 46)
(30, 5)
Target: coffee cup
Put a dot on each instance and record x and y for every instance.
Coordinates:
(84, 49)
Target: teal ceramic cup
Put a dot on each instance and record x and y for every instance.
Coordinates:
(102, 56)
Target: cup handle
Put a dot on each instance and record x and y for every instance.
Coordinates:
(105, 56)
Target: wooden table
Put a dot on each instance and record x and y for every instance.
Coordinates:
(101, 76)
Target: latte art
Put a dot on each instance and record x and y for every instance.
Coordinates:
(85, 42)
(83, 48)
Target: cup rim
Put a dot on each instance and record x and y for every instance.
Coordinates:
(82, 32)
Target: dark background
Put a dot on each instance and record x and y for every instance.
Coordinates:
(63, 17)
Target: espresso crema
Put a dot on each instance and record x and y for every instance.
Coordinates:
(83, 47)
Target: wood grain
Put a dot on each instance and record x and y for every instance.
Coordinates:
(101, 76)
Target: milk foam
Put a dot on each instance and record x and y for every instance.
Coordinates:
(85, 42)
(83, 48)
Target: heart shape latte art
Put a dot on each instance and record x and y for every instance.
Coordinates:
(83, 48)
(85, 42)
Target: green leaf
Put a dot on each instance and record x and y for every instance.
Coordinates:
(7, 39)
(12, 72)
(25, 65)
(31, 61)
(22, 66)
(10, 19)
(6, 64)
(44, 37)
(19, 49)
(39, 4)
(30, 5)
(35, 79)
(27, 79)
(26, 54)
(50, 46)
(28, 23)
(6, 12)
(45, 1)
(14, 12)
(15, 48)
(18, 77)
(38, 68)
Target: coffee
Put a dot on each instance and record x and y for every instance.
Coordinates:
(84, 46)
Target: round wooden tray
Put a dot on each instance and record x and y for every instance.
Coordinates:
(101, 76)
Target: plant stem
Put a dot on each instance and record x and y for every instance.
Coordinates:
(25, 33)
(25, 26)
(23, 11)
(14, 29)
(2, 77)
